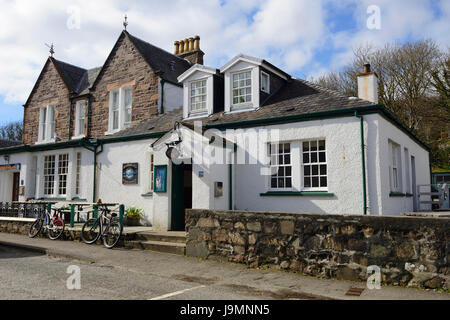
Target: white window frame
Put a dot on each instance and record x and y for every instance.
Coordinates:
(241, 104)
(205, 109)
(78, 163)
(80, 118)
(310, 163)
(47, 124)
(274, 163)
(395, 167)
(122, 110)
(57, 175)
(267, 90)
(127, 109)
(408, 186)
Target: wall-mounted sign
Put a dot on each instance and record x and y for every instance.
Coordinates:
(130, 173)
(160, 179)
(15, 166)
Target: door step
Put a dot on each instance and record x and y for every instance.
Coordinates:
(160, 246)
(169, 236)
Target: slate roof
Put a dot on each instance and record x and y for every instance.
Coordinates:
(72, 75)
(296, 97)
(79, 80)
(8, 143)
(159, 59)
(88, 80)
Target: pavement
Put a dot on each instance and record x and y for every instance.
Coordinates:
(133, 274)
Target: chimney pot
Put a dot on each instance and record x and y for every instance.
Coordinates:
(177, 47)
(181, 47)
(196, 43)
(191, 44)
(186, 45)
(367, 84)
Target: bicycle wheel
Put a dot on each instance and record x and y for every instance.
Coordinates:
(112, 234)
(56, 228)
(91, 230)
(35, 228)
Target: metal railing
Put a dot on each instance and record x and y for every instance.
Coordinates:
(436, 195)
(21, 209)
(71, 212)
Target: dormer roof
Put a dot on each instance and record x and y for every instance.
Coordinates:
(256, 61)
(195, 68)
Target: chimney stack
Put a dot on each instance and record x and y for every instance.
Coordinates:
(368, 84)
(189, 49)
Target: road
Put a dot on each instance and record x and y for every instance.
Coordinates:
(29, 275)
(135, 274)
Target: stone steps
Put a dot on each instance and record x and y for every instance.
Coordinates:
(169, 242)
(170, 236)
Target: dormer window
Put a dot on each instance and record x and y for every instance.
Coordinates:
(265, 82)
(198, 96)
(242, 88)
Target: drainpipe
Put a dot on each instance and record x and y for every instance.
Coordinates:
(88, 125)
(70, 116)
(363, 161)
(230, 187)
(162, 81)
(95, 144)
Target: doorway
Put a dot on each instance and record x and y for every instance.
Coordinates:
(181, 197)
(15, 189)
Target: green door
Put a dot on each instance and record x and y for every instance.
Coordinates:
(177, 221)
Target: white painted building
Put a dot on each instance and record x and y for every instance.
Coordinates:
(328, 153)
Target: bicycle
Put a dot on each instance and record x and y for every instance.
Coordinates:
(46, 221)
(109, 228)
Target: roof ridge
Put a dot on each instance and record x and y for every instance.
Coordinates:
(156, 47)
(69, 64)
(328, 90)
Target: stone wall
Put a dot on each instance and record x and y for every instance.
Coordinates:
(125, 67)
(49, 90)
(411, 251)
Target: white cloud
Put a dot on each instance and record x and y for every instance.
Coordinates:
(288, 33)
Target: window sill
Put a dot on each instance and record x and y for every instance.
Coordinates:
(78, 137)
(45, 141)
(79, 199)
(192, 116)
(396, 194)
(400, 194)
(147, 195)
(297, 194)
(110, 133)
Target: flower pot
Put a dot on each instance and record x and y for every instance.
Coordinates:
(133, 221)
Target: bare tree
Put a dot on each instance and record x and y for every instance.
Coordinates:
(12, 131)
(412, 83)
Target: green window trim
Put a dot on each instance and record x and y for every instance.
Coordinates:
(147, 195)
(297, 194)
(397, 194)
(79, 199)
(408, 195)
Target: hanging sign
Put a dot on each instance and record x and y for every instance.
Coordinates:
(130, 173)
(15, 166)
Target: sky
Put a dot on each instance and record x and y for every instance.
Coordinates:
(303, 37)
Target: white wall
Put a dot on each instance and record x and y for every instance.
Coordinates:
(110, 187)
(6, 177)
(342, 137)
(397, 205)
